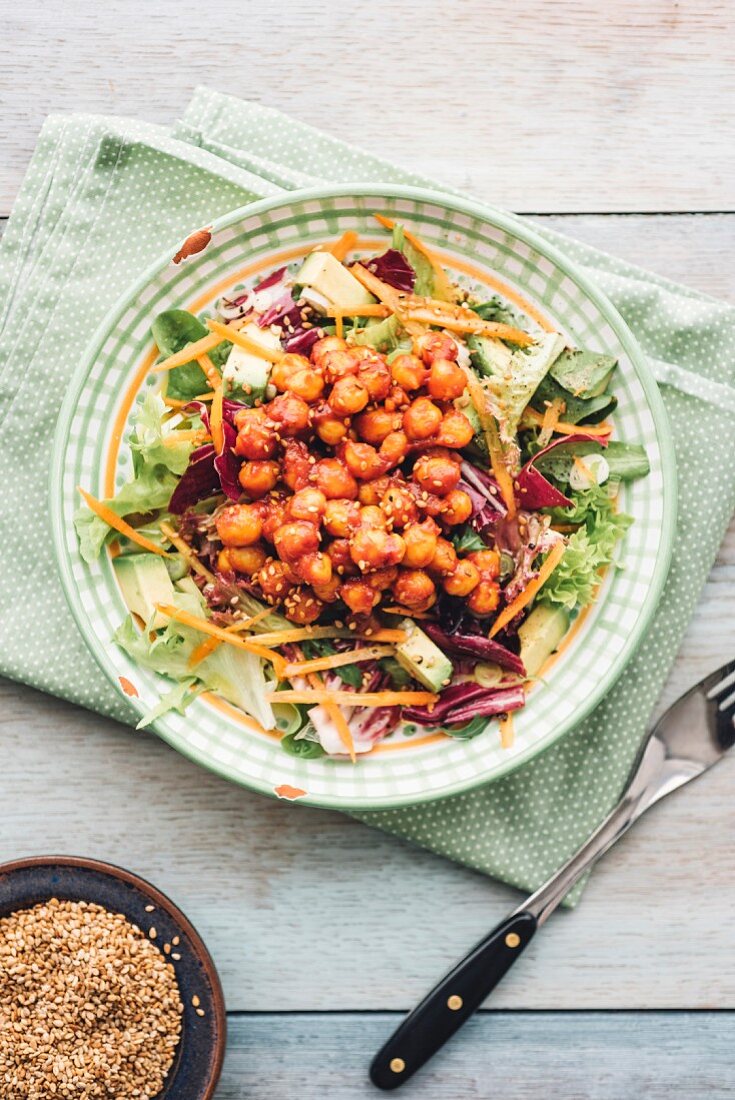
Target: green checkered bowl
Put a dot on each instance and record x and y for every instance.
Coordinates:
(479, 245)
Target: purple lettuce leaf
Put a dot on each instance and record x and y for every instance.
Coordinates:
(199, 479)
(301, 341)
(534, 491)
(461, 702)
(271, 280)
(394, 269)
(227, 464)
(284, 312)
(476, 645)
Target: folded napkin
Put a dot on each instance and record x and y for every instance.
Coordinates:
(103, 199)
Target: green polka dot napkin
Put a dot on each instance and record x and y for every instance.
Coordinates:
(102, 199)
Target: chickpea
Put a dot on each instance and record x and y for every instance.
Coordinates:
(334, 479)
(393, 449)
(289, 413)
(436, 475)
(408, 372)
(224, 561)
(414, 589)
(315, 569)
(455, 430)
(487, 561)
(457, 507)
(339, 554)
(373, 516)
(436, 345)
(349, 396)
(284, 370)
(296, 467)
(256, 437)
(359, 596)
(275, 514)
(362, 460)
(421, 543)
(273, 581)
(239, 525)
(445, 558)
(247, 559)
(293, 540)
(328, 592)
(399, 505)
(373, 548)
(301, 606)
(484, 598)
(421, 419)
(331, 430)
(397, 399)
(258, 477)
(464, 578)
(324, 346)
(339, 364)
(371, 492)
(380, 579)
(341, 517)
(307, 384)
(447, 381)
(376, 378)
(308, 503)
(373, 426)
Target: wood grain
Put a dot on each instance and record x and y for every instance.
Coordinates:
(558, 1056)
(576, 105)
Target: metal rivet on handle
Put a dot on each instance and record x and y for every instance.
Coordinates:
(512, 939)
(397, 1065)
(455, 1002)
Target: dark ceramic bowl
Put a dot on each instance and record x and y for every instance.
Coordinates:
(198, 1062)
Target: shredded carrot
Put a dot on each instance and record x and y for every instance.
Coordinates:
(441, 279)
(374, 309)
(174, 403)
(530, 416)
(515, 606)
(408, 611)
(387, 295)
(344, 244)
(499, 466)
(202, 651)
(210, 644)
(337, 660)
(343, 729)
(552, 416)
(304, 633)
(187, 553)
(352, 699)
(215, 420)
(507, 733)
(204, 626)
(339, 327)
(229, 332)
(430, 311)
(584, 469)
(190, 352)
(213, 376)
(109, 517)
(197, 435)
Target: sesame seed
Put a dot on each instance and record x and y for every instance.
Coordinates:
(149, 908)
(152, 933)
(195, 1001)
(200, 1012)
(175, 956)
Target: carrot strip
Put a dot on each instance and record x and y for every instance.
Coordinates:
(215, 419)
(354, 699)
(337, 660)
(430, 311)
(109, 517)
(339, 327)
(343, 244)
(441, 280)
(374, 309)
(336, 715)
(536, 418)
(552, 416)
(507, 733)
(190, 353)
(212, 374)
(204, 626)
(210, 644)
(202, 651)
(197, 435)
(496, 454)
(515, 606)
(387, 295)
(186, 552)
(174, 403)
(227, 332)
(408, 611)
(304, 633)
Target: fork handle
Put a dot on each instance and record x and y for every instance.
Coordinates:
(457, 996)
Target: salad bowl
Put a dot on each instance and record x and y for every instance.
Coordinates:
(487, 253)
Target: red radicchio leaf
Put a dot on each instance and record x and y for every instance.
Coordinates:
(198, 480)
(270, 280)
(476, 645)
(227, 464)
(394, 269)
(462, 702)
(300, 342)
(284, 311)
(534, 490)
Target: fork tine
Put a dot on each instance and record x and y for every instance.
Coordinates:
(721, 680)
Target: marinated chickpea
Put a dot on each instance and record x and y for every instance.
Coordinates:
(397, 399)
(315, 569)
(380, 579)
(258, 477)
(376, 378)
(371, 492)
(445, 558)
(307, 384)
(455, 430)
(290, 414)
(341, 517)
(247, 559)
(421, 544)
(331, 430)
(437, 345)
(329, 592)
(422, 418)
(224, 562)
(487, 561)
(484, 599)
(324, 346)
(274, 582)
(373, 548)
(349, 396)
(399, 505)
(373, 516)
(362, 460)
(308, 503)
(296, 467)
(239, 525)
(282, 372)
(436, 475)
(274, 515)
(359, 596)
(373, 426)
(334, 479)
(301, 606)
(408, 372)
(256, 437)
(447, 381)
(457, 507)
(338, 364)
(393, 449)
(462, 581)
(293, 540)
(414, 589)
(339, 553)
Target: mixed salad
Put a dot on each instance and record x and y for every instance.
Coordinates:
(366, 501)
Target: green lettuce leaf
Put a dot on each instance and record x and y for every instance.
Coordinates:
(425, 280)
(172, 330)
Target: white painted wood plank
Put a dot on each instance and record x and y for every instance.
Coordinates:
(576, 105)
(306, 910)
(584, 1056)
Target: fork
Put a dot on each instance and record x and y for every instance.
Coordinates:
(687, 740)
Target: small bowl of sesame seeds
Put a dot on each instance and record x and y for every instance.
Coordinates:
(106, 989)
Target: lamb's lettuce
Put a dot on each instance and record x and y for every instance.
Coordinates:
(172, 330)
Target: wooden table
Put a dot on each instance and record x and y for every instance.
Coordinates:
(612, 123)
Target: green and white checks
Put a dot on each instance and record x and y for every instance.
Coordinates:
(261, 237)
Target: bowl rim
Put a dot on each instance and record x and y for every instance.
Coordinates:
(88, 863)
(518, 229)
